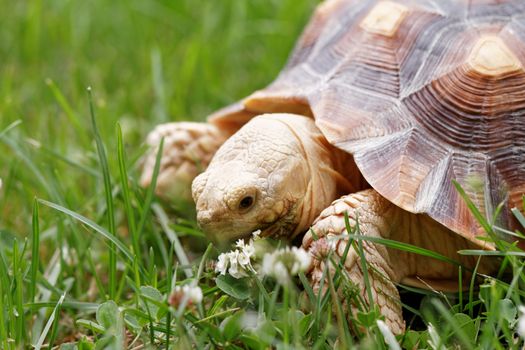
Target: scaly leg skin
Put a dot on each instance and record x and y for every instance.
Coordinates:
(378, 217)
(188, 149)
(329, 226)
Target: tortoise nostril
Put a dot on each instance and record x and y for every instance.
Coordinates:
(204, 217)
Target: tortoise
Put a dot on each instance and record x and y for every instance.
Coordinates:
(381, 106)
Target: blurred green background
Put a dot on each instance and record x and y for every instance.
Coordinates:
(147, 62)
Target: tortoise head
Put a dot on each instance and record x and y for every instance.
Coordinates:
(274, 174)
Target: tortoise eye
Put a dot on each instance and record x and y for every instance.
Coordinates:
(246, 202)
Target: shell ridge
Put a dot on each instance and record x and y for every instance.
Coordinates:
(428, 191)
(415, 84)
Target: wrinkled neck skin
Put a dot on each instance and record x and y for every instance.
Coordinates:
(275, 174)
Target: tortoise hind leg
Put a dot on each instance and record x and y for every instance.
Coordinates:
(188, 149)
(329, 228)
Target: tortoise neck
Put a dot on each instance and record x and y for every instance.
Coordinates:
(332, 173)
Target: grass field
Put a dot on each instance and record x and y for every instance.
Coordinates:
(89, 261)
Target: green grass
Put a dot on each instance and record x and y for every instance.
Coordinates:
(89, 259)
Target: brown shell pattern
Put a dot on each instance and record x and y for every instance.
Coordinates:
(421, 93)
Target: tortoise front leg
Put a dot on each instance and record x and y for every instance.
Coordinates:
(188, 149)
(329, 229)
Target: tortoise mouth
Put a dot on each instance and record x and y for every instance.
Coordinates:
(278, 229)
(271, 230)
(284, 227)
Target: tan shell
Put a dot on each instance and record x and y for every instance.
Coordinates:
(421, 93)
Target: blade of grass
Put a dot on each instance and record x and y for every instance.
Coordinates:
(22, 154)
(66, 107)
(170, 270)
(160, 241)
(130, 214)
(487, 227)
(471, 289)
(509, 233)
(99, 229)
(10, 127)
(70, 237)
(52, 154)
(109, 198)
(342, 325)
(349, 230)
(151, 189)
(262, 289)
(7, 283)
(136, 274)
(319, 302)
(405, 247)
(98, 281)
(519, 216)
(490, 253)
(452, 324)
(34, 255)
(85, 307)
(171, 276)
(54, 329)
(122, 283)
(18, 296)
(150, 320)
(286, 320)
(460, 287)
(216, 307)
(3, 329)
(49, 323)
(307, 287)
(514, 282)
(200, 270)
(151, 267)
(272, 303)
(159, 108)
(358, 246)
(387, 335)
(218, 314)
(473, 209)
(173, 238)
(48, 283)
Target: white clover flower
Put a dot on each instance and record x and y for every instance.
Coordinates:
(243, 259)
(240, 243)
(284, 263)
(238, 265)
(277, 270)
(239, 261)
(302, 260)
(222, 264)
(248, 249)
(520, 328)
(256, 235)
(193, 295)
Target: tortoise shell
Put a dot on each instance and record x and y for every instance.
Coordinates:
(421, 93)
